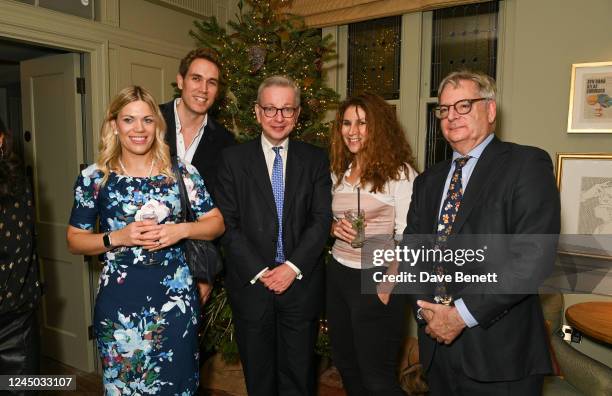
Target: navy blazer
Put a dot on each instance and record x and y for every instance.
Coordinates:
(246, 200)
(511, 191)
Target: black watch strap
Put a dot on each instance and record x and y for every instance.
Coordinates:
(107, 240)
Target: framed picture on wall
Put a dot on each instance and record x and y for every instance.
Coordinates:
(584, 263)
(585, 186)
(590, 102)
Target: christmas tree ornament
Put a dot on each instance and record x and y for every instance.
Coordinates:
(257, 58)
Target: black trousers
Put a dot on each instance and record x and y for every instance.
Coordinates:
(365, 334)
(277, 350)
(446, 377)
(19, 345)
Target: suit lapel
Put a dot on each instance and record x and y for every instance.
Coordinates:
(168, 113)
(487, 166)
(292, 178)
(201, 150)
(258, 169)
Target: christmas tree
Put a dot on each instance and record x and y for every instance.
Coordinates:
(264, 41)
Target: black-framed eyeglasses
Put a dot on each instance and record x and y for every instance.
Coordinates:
(462, 107)
(271, 111)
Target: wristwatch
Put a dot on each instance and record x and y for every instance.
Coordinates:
(107, 240)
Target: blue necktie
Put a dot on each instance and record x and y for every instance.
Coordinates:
(449, 211)
(278, 188)
(451, 204)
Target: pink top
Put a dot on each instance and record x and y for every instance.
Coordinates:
(385, 213)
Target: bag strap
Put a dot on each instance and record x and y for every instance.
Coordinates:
(187, 214)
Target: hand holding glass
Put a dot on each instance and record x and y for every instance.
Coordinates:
(151, 216)
(357, 220)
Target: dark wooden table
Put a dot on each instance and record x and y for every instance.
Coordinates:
(593, 319)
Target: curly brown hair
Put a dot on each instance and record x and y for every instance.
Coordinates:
(385, 154)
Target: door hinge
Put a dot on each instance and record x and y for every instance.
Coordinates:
(80, 85)
(90, 333)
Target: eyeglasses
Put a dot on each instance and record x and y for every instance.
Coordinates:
(271, 111)
(462, 107)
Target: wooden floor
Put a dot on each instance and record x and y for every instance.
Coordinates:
(87, 384)
(91, 384)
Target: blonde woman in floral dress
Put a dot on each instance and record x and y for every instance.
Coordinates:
(147, 309)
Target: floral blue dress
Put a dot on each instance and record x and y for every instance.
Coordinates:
(147, 309)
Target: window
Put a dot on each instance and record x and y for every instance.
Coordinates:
(374, 57)
(463, 37)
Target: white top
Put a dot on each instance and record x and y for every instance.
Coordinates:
(186, 153)
(385, 212)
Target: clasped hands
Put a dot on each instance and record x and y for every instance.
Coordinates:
(150, 235)
(444, 323)
(153, 237)
(279, 278)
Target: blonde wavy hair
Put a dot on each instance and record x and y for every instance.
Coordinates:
(386, 152)
(109, 148)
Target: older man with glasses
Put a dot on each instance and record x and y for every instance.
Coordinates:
(471, 343)
(275, 196)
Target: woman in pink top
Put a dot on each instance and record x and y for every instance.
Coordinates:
(370, 156)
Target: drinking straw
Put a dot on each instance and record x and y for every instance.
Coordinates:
(358, 202)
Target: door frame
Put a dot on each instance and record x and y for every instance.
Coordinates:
(100, 42)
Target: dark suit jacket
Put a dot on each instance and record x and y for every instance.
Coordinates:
(206, 157)
(246, 200)
(512, 190)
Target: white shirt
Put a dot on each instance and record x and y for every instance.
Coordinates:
(186, 153)
(270, 155)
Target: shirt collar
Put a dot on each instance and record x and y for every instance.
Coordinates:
(267, 146)
(476, 152)
(177, 120)
(347, 172)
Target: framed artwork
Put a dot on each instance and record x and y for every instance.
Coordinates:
(584, 263)
(590, 102)
(585, 186)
